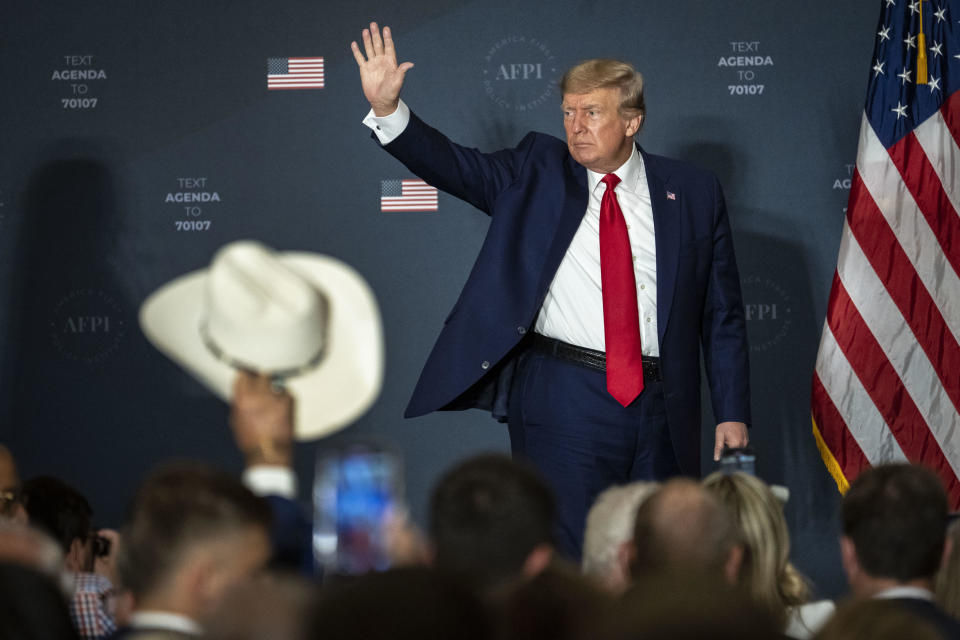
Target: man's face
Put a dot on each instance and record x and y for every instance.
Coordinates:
(598, 137)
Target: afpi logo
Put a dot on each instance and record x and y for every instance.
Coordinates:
(519, 73)
(768, 312)
(87, 326)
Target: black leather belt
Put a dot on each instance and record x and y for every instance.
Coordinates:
(590, 358)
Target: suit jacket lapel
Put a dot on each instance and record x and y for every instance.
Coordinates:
(666, 224)
(574, 207)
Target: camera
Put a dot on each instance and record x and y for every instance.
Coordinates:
(101, 546)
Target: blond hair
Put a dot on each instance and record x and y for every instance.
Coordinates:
(767, 575)
(604, 73)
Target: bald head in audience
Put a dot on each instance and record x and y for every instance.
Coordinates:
(682, 527)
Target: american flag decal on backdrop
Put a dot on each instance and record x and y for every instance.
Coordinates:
(407, 195)
(887, 381)
(294, 73)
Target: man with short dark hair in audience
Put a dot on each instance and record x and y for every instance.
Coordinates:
(491, 520)
(894, 539)
(63, 512)
(192, 533)
(682, 528)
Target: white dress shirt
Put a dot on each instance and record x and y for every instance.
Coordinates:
(573, 308)
(916, 593)
(805, 620)
(165, 620)
(271, 480)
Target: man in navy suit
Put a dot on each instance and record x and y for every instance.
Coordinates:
(603, 271)
(895, 519)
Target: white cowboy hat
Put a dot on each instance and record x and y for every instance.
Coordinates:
(307, 319)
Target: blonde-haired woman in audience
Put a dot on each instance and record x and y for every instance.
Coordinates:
(947, 585)
(766, 574)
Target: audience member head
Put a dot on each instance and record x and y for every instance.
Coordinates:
(191, 533)
(609, 533)
(413, 603)
(269, 607)
(30, 547)
(10, 504)
(894, 528)
(678, 605)
(557, 604)
(491, 519)
(947, 584)
(681, 527)
(57, 508)
(876, 619)
(766, 572)
(32, 606)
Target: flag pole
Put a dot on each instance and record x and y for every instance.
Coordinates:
(921, 51)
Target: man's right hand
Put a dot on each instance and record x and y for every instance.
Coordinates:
(380, 75)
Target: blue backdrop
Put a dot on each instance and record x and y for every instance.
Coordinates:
(111, 110)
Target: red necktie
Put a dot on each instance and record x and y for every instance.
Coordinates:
(621, 318)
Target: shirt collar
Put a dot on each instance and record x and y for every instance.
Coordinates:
(905, 592)
(165, 620)
(631, 173)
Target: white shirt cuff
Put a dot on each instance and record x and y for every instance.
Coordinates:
(270, 480)
(387, 128)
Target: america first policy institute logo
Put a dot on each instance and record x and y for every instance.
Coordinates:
(519, 73)
(87, 325)
(768, 310)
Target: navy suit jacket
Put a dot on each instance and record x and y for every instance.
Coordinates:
(948, 627)
(536, 196)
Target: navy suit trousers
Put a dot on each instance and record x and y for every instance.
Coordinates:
(563, 420)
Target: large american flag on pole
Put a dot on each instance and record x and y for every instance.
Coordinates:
(887, 381)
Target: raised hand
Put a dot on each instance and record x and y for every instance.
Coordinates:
(380, 75)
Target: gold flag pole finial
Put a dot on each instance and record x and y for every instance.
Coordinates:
(921, 51)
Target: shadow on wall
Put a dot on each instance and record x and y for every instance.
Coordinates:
(783, 335)
(67, 308)
(84, 398)
(68, 315)
(495, 130)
